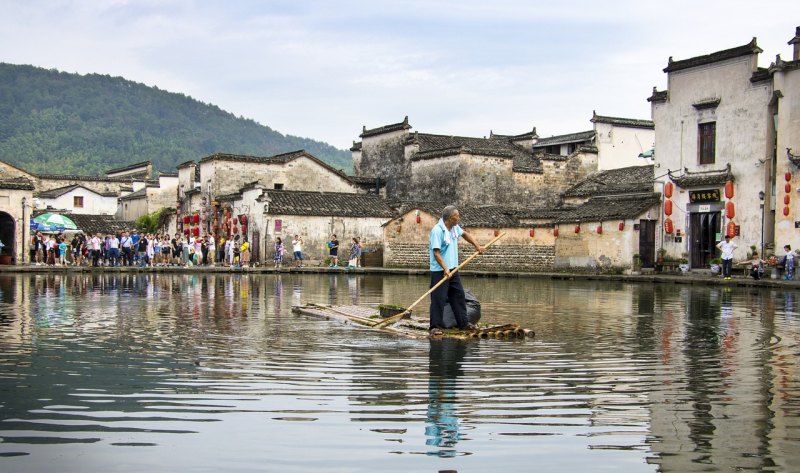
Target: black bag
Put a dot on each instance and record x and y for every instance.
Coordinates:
(473, 311)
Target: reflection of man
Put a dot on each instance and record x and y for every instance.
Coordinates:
(444, 368)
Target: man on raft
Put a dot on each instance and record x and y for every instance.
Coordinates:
(443, 259)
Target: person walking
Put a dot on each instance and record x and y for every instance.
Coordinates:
(788, 263)
(443, 252)
(244, 249)
(727, 247)
(355, 254)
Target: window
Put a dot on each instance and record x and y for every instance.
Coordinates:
(278, 187)
(706, 142)
(77, 202)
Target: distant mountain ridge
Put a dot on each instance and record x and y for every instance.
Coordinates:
(55, 122)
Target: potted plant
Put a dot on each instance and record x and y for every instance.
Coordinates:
(714, 264)
(684, 265)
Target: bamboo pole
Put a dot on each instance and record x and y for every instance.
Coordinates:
(399, 316)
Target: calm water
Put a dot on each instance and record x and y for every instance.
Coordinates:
(214, 373)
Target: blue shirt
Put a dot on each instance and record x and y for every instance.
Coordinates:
(449, 251)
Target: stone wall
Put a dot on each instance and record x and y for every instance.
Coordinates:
(384, 156)
(534, 258)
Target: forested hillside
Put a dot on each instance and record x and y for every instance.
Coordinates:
(59, 123)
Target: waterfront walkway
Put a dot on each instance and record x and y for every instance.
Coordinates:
(694, 277)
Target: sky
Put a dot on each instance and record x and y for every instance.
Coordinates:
(324, 69)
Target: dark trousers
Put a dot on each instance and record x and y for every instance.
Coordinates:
(450, 291)
(727, 267)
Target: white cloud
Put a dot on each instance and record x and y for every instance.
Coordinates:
(323, 69)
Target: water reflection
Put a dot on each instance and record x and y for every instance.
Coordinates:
(215, 372)
(444, 369)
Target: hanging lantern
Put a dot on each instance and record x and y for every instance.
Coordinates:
(600, 229)
(668, 208)
(186, 231)
(786, 199)
(555, 231)
(419, 219)
(532, 232)
(196, 231)
(730, 230)
(621, 226)
(787, 176)
(730, 211)
(787, 188)
(186, 220)
(235, 229)
(668, 190)
(668, 226)
(786, 211)
(578, 228)
(196, 218)
(729, 190)
(243, 219)
(235, 221)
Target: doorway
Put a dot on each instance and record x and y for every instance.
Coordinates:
(704, 228)
(647, 242)
(7, 237)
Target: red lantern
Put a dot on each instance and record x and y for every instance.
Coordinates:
(555, 232)
(235, 229)
(730, 211)
(668, 190)
(729, 190)
(668, 208)
(419, 218)
(532, 232)
(196, 231)
(621, 226)
(186, 231)
(786, 211)
(578, 228)
(243, 219)
(786, 199)
(235, 221)
(787, 176)
(668, 226)
(244, 229)
(496, 232)
(196, 219)
(787, 188)
(731, 229)
(600, 229)
(186, 220)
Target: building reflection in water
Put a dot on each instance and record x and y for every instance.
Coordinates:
(443, 429)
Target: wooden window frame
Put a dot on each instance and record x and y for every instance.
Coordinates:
(706, 143)
(77, 201)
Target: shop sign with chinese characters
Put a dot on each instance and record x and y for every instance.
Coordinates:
(706, 195)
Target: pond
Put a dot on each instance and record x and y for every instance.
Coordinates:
(192, 372)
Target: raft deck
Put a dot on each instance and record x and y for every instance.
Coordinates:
(408, 327)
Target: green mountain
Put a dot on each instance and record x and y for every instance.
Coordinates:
(55, 122)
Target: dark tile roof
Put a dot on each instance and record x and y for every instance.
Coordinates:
(276, 159)
(612, 207)
(356, 146)
(744, 50)
(626, 122)
(337, 204)
(434, 146)
(228, 197)
(658, 96)
(59, 191)
(129, 167)
(632, 179)
(761, 74)
(140, 194)
(91, 224)
(490, 216)
(186, 164)
(17, 183)
(715, 177)
(386, 128)
(542, 213)
(707, 103)
(794, 158)
(167, 174)
(562, 139)
(524, 136)
(67, 177)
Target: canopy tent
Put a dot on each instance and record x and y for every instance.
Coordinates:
(50, 222)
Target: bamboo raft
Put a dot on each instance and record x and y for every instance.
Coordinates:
(409, 327)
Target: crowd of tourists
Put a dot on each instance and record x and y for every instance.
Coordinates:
(138, 249)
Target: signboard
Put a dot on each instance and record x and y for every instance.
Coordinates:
(278, 225)
(704, 209)
(704, 195)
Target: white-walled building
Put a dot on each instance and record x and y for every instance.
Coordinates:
(723, 118)
(77, 199)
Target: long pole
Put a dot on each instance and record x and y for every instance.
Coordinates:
(399, 316)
